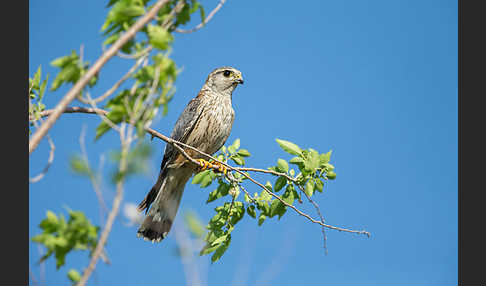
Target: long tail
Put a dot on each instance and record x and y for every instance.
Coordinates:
(167, 192)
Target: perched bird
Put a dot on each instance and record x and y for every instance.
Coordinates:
(204, 124)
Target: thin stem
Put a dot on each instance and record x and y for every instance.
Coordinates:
(50, 160)
(206, 20)
(113, 213)
(177, 145)
(117, 84)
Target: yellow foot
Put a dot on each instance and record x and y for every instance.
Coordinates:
(204, 164)
(219, 167)
(212, 165)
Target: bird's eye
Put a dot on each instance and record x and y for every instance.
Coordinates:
(226, 73)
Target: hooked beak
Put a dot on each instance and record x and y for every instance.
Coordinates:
(239, 79)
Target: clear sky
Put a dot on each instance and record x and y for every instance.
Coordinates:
(375, 81)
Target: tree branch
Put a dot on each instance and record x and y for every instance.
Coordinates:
(113, 213)
(206, 20)
(49, 162)
(177, 145)
(92, 71)
(117, 84)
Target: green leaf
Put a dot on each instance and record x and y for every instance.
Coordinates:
(282, 166)
(159, 37)
(280, 183)
(208, 249)
(289, 195)
(243, 153)
(289, 147)
(51, 217)
(79, 166)
(296, 160)
(43, 87)
(325, 157)
(206, 181)
(219, 252)
(331, 175)
(221, 191)
(261, 219)
(202, 13)
(60, 238)
(277, 208)
(238, 160)
(311, 162)
(319, 185)
(102, 129)
(219, 240)
(199, 177)
(251, 211)
(309, 188)
(37, 77)
(264, 195)
(74, 275)
(236, 144)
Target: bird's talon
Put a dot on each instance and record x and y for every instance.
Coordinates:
(204, 164)
(220, 168)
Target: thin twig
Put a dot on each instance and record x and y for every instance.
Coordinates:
(113, 213)
(203, 23)
(246, 192)
(92, 71)
(136, 55)
(117, 84)
(176, 144)
(103, 117)
(266, 171)
(32, 277)
(92, 177)
(319, 213)
(50, 160)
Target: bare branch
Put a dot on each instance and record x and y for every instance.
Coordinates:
(92, 177)
(136, 55)
(49, 162)
(113, 213)
(32, 277)
(117, 84)
(267, 172)
(102, 115)
(92, 71)
(206, 20)
(319, 213)
(177, 145)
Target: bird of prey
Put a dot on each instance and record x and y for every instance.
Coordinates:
(204, 124)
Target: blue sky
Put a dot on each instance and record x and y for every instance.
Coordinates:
(375, 81)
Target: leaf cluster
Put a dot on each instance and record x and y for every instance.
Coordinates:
(124, 13)
(72, 68)
(151, 89)
(312, 170)
(60, 237)
(37, 89)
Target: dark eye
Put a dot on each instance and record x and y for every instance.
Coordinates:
(226, 73)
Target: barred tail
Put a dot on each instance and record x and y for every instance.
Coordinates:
(167, 192)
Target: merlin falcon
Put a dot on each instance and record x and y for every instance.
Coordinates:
(204, 124)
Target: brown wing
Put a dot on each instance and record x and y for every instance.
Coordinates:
(182, 129)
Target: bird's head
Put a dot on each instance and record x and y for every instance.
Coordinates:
(224, 79)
